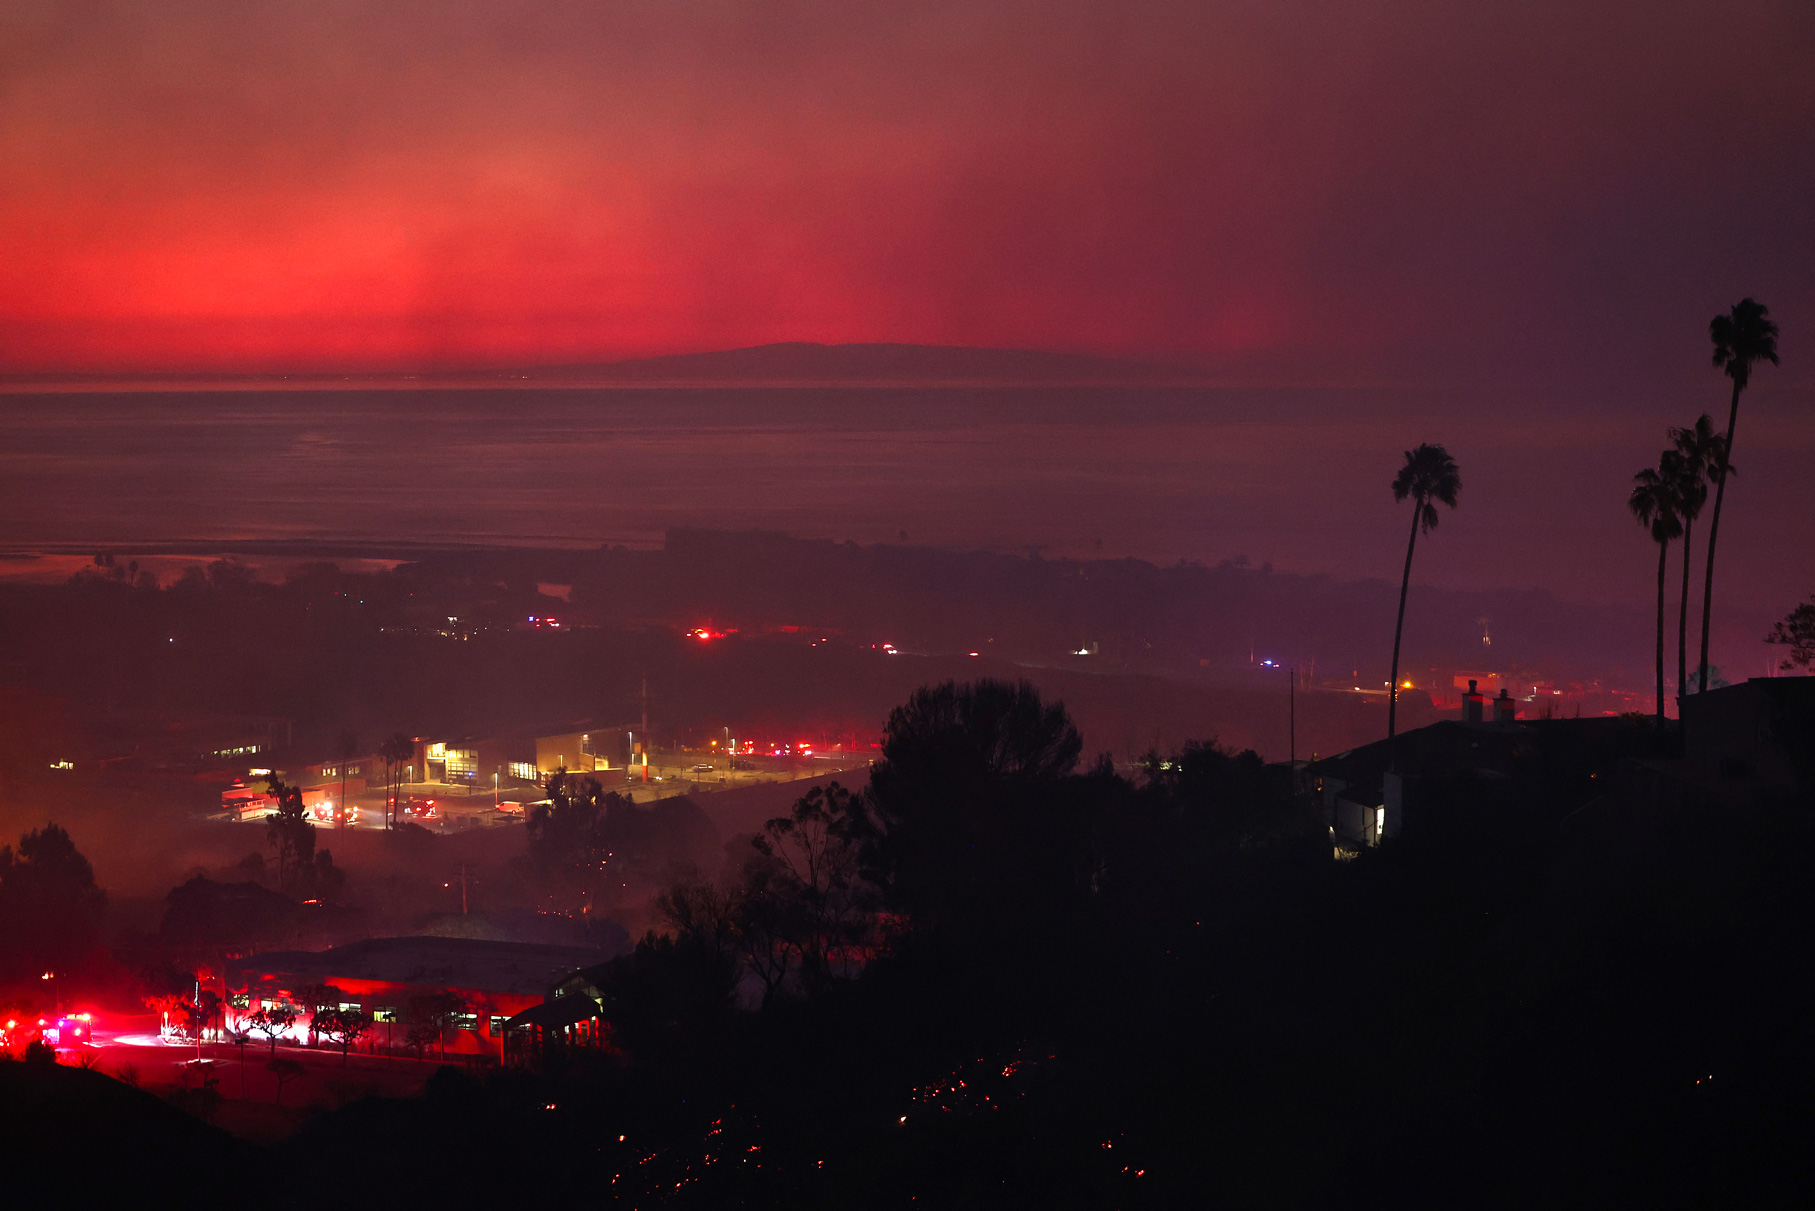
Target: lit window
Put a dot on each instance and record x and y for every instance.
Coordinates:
(498, 1022)
(466, 1021)
(384, 1013)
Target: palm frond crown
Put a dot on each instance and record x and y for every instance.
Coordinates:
(1429, 475)
(1698, 448)
(1742, 337)
(1654, 499)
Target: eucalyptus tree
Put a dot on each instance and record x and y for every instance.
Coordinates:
(1429, 476)
(1743, 337)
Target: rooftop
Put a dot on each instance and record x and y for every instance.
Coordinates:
(521, 968)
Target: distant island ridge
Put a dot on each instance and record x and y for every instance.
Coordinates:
(807, 361)
(780, 364)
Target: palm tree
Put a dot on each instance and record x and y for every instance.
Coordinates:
(1429, 475)
(349, 749)
(1743, 336)
(1654, 503)
(397, 752)
(1699, 448)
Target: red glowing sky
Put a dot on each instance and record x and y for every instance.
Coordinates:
(1298, 189)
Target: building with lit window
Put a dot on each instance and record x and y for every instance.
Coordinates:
(475, 761)
(584, 751)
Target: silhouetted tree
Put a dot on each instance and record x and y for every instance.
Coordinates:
(960, 797)
(568, 835)
(763, 928)
(429, 1015)
(288, 831)
(199, 1014)
(1743, 337)
(1699, 447)
(397, 752)
(285, 1070)
(168, 992)
(49, 904)
(348, 749)
(1229, 799)
(672, 998)
(344, 1027)
(316, 998)
(1797, 632)
(1429, 475)
(817, 893)
(1654, 502)
(202, 915)
(272, 1021)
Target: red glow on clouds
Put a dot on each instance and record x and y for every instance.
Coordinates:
(411, 184)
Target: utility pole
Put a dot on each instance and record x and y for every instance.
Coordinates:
(645, 729)
(463, 889)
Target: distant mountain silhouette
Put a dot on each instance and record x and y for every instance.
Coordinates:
(804, 361)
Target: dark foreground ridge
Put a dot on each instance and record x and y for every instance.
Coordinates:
(1569, 972)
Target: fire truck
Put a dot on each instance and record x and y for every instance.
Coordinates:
(242, 802)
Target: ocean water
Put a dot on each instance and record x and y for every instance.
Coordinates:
(1297, 478)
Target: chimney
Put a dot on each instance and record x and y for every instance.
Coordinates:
(1472, 703)
(1504, 707)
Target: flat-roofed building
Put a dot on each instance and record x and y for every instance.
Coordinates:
(583, 751)
(382, 977)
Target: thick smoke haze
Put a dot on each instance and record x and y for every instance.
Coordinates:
(1285, 193)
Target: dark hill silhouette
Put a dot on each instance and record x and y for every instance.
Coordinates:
(806, 361)
(56, 1118)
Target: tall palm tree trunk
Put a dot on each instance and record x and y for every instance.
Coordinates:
(1663, 552)
(1720, 492)
(1682, 618)
(1405, 583)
